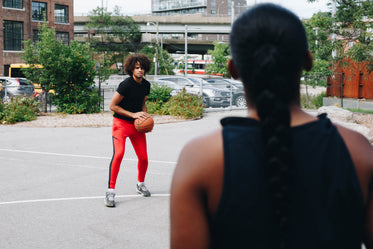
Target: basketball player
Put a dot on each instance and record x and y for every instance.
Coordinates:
(280, 178)
(128, 104)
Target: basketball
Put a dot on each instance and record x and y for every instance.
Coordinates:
(145, 125)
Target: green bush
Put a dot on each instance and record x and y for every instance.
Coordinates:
(182, 105)
(314, 102)
(77, 102)
(19, 109)
(159, 93)
(154, 107)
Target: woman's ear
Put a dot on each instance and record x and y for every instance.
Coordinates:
(232, 70)
(308, 61)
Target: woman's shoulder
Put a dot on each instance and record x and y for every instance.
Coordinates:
(361, 152)
(200, 155)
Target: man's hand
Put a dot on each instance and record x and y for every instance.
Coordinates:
(140, 115)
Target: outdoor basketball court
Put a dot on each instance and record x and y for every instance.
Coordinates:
(53, 182)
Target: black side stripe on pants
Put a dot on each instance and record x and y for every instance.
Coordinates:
(111, 162)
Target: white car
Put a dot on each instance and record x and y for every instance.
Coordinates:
(12, 87)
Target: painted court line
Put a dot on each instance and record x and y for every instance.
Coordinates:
(76, 198)
(82, 156)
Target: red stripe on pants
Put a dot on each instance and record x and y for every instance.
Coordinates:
(121, 130)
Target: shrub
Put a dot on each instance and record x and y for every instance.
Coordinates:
(19, 109)
(314, 102)
(154, 107)
(77, 102)
(182, 105)
(159, 93)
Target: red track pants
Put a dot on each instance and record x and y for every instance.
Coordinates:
(121, 130)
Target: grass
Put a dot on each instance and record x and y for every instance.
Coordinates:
(359, 110)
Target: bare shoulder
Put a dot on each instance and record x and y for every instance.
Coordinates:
(199, 156)
(356, 142)
(361, 152)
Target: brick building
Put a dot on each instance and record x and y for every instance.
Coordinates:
(19, 21)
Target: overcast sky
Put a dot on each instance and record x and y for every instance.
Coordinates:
(135, 7)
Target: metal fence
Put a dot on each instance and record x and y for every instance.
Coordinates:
(213, 98)
(8, 91)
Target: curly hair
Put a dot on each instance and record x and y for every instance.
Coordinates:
(268, 47)
(129, 64)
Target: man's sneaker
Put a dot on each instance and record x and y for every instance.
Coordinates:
(142, 190)
(109, 199)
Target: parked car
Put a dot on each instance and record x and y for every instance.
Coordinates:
(176, 88)
(12, 87)
(212, 96)
(238, 94)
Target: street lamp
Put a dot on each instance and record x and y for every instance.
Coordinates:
(186, 50)
(156, 48)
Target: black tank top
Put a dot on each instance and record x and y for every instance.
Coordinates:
(326, 209)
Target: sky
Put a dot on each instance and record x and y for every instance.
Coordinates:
(137, 7)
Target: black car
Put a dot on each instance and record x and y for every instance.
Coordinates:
(238, 94)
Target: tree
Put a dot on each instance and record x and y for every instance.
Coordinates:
(220, 57)
(67, 69)
(352, 24)
(118, 34)
(165, 61)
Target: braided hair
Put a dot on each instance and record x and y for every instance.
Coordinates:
(268, 46)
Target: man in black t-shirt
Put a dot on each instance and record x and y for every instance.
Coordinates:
(128, 104)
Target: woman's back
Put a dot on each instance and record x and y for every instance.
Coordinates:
(326, 204)
(304, 184)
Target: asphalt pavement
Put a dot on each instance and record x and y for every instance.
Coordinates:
(53, 182)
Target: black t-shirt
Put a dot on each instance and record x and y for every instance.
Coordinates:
(133, 96)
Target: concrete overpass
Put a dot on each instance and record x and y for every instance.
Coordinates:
(201, 31)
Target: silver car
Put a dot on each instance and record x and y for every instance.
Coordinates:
(12, 87)
(212, 96)
(238, 94)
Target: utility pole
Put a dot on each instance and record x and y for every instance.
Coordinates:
(186, 50)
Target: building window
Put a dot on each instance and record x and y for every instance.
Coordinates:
(61, 13)
(63, 37)
(39, 11)
(17, 4)
(13, 35)
(35, 36)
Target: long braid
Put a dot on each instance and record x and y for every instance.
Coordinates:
(268, 46)
(276, 138)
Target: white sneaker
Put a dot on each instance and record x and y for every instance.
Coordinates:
(109, 199)
(142, 190)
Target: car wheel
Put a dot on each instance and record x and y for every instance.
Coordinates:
(240, 101)
(205, 102)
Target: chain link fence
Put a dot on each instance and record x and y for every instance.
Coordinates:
(214, 98)
(9, 91)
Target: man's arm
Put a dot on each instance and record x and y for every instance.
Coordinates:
(144, 108)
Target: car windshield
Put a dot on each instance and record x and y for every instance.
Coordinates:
(198, 81)
(220, 83)
(24, 82)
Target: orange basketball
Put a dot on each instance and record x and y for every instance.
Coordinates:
(144, 125)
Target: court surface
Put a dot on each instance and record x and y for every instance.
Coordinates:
(53, 181)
